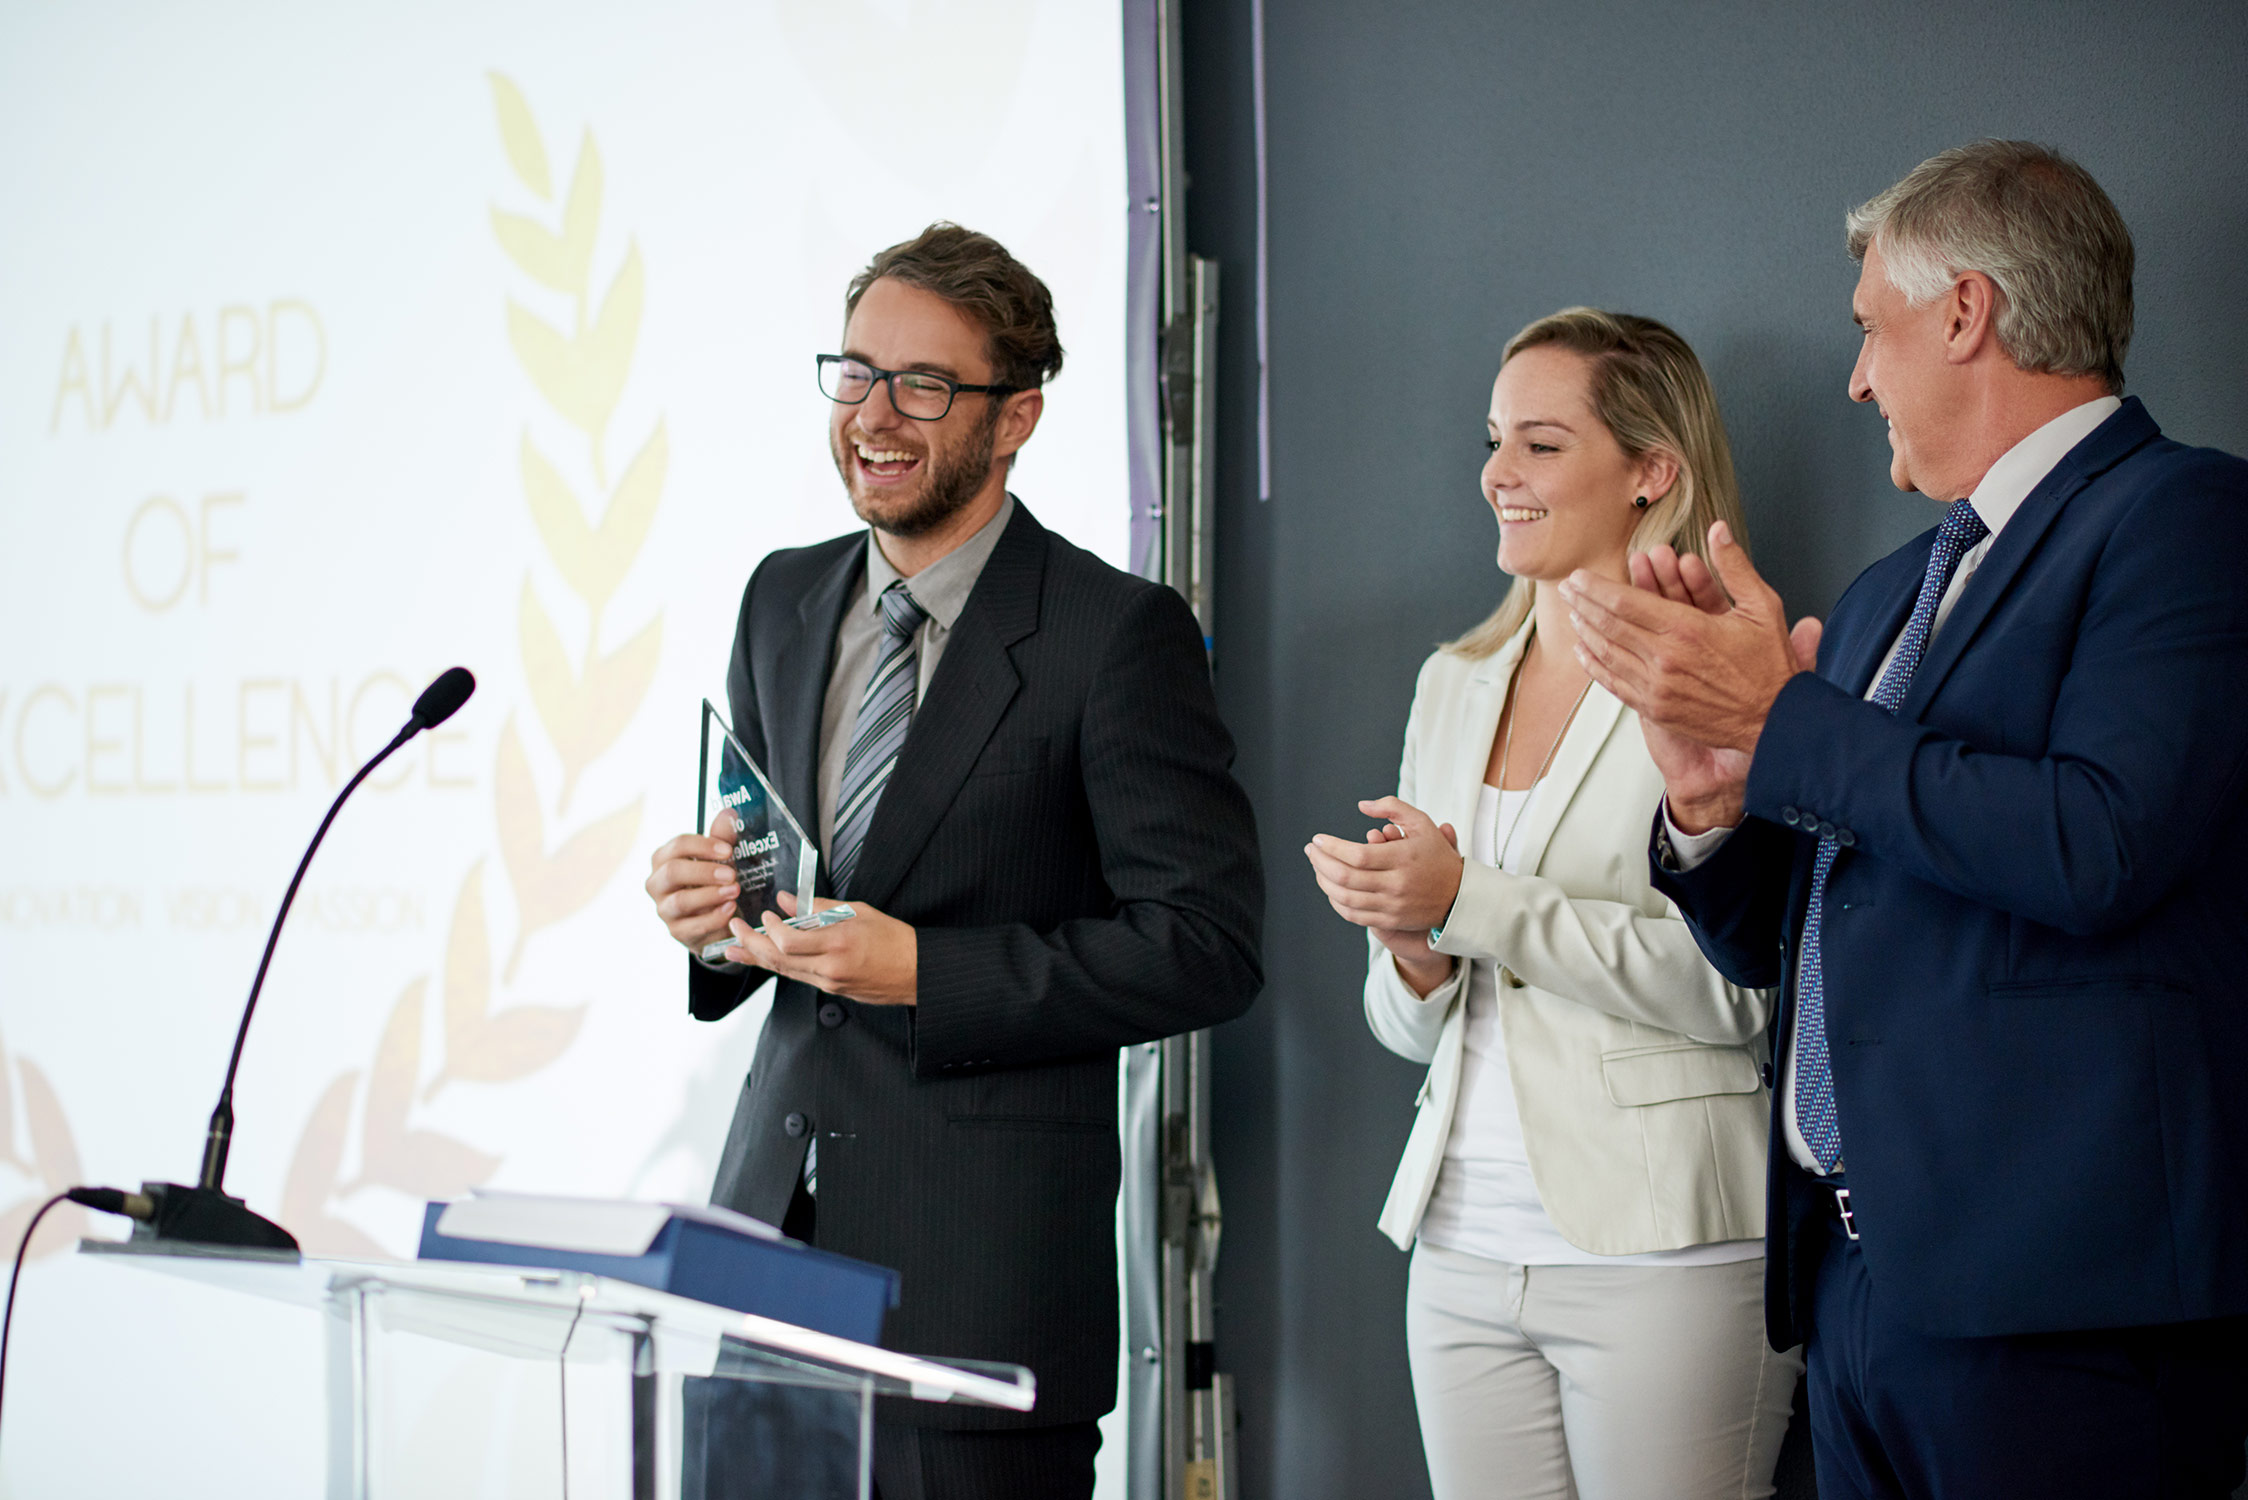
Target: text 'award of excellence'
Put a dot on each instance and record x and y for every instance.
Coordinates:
(771, 851)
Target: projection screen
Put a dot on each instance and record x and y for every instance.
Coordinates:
(338, 345)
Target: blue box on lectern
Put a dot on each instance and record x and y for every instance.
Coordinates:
(710, 1255)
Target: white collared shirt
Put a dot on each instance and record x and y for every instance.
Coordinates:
(2003, 489)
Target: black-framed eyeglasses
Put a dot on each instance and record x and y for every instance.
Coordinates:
(920, 394)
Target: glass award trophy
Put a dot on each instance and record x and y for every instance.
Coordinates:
(771, 851)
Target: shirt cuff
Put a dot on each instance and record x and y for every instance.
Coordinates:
(1690, 849)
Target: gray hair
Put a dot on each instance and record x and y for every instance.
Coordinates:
(2038, 226)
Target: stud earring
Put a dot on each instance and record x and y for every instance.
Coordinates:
(1640, 503)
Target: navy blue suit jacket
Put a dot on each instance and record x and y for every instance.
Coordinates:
(2036, 944)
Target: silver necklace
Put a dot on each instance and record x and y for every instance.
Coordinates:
(1513, 709)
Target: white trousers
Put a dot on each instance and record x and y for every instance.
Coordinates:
(1595, 1382)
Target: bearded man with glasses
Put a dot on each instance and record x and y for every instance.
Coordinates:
(1024, 792)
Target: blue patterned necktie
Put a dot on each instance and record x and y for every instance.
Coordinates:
(1814, 1068)
(885, 714)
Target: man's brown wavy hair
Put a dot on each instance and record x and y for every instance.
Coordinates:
(974, 273)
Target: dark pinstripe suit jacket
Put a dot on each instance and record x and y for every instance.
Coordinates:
(1065, 833)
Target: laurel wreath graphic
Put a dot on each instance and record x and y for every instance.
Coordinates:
(582, 702)
(53, 1164)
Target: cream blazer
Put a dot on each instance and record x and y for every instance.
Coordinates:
(1634, 1063)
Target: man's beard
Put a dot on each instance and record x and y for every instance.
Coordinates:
(949, 483)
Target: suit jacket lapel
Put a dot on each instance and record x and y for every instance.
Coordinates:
(1580, 745)
(2122, 433)
(793, 735)
(1856, 659)
(1475, 737)
(972, 687)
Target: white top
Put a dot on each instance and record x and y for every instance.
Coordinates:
(1486, 1201)
(2019, 470)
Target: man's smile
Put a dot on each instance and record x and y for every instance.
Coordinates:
(882, 464)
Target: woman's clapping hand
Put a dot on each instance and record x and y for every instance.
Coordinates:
(1399, 883)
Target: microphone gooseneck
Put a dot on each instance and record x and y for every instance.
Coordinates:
(221, 1135)
(204, 1213)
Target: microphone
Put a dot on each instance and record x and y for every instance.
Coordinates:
(438, 702)
(204, 1214)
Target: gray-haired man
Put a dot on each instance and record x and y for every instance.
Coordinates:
(1990, 847)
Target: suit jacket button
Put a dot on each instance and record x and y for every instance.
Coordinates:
(832, 1015)
(1790, 816)
(1826, 830)
(796, 1124)
(1845, 838)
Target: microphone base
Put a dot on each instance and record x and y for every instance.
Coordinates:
(207, 1216)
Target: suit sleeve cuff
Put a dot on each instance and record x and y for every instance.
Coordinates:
(1467, 929)
(1445, 990)
(960, 1016)
(1804, 761)
(714, 990)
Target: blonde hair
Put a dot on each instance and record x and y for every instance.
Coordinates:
(1653, 396)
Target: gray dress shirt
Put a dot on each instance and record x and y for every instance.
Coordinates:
(942, 588)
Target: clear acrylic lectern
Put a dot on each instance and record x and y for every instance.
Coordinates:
(666, 1397)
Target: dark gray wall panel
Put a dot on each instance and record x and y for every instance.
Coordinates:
(1442, 172)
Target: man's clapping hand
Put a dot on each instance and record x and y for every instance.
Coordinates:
(1699, 656)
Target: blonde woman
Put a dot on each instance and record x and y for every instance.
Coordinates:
(1583, 1190)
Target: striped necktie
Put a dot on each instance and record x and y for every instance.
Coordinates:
(885, 714)
(1814, 1066)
